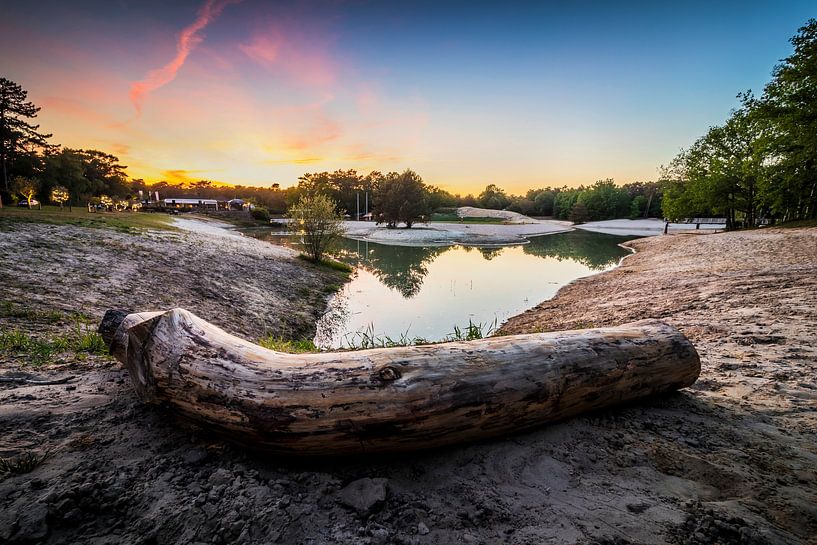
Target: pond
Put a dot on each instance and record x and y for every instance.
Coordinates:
(402, 292)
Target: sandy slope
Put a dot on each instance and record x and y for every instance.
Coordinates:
(730, 461)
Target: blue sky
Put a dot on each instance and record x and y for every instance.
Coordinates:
(466, 93)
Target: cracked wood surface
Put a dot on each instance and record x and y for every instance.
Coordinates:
(394, 399)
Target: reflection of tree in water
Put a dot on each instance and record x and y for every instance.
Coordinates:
(399, 267)
(594, 250)
(490, 252)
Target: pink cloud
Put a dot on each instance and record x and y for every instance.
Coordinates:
(300, 61)
(189, 38)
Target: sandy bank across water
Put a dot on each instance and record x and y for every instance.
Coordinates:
(445, 234)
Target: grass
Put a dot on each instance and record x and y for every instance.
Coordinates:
(81, 340)
(127, 222)
(328, 263)
(24, 463)
(302, 346)
(361, 340)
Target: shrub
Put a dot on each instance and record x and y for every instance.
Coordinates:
(260, 213)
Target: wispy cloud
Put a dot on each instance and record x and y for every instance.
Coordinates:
(189, 38)
(301, 60)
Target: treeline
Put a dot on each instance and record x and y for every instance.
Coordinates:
(761, 164)
(600, 201)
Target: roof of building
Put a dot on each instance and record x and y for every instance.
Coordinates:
(184, 200)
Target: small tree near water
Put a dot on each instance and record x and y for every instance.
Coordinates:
(314, 216)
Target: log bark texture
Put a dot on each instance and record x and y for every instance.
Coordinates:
(393, 399)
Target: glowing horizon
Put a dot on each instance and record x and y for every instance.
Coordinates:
(523, 96)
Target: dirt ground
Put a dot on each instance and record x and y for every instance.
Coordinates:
(730, 460)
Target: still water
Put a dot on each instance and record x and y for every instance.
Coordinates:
(400, 291)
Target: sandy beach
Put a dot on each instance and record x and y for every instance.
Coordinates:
(445, 234)
(729, 461)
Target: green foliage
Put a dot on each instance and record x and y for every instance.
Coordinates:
(19, 138)
(329, 264)
(315, 218)
(301, 346)
(494, 197)
(761, 163)
(579, 213)
(367, 338)
(38, 351)
(25, 188)
(400, 198)
(638, 206)
(260, 213)
(472, 331)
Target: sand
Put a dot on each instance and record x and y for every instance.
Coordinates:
(644, 227)
(731, 460)
(445, 234)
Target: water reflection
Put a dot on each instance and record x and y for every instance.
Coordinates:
(595, 251)
(425, 292)
(404, 268)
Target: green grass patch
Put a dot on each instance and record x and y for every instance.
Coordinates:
(302, 346)
(328, 263)
(127, 222)
(367, 338)
(39, 351)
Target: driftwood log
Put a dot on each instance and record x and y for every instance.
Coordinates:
(391, 399)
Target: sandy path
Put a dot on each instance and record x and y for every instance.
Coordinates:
(730, 461)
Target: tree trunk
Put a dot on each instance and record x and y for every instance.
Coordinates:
(391, 399)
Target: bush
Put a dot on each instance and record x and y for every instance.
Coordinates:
(260, 213)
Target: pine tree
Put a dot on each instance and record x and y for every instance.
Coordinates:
(17, 135)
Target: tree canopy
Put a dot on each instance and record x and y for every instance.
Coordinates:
(18, 136)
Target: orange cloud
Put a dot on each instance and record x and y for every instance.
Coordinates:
(189, 38)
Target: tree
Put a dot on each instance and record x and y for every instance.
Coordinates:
(578, 213)
(25, 187)
(494, 197)
(789, 109)
(60, 195)
(106, 202)
(316, 218)
(17, 135)
(544, 202)
(721, 172)
(400, 198)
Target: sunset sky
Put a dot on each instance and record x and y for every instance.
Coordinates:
(466, 93)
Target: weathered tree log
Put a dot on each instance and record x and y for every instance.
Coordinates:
(393, 399)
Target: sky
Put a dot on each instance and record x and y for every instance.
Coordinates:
(520, 94)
